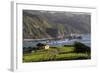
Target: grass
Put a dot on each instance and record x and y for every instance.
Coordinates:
(55, 54)
(72, 56)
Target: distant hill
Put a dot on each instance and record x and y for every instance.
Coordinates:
(51, 24)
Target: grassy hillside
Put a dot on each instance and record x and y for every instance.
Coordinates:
(55, 54)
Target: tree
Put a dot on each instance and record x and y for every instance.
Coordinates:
(80, 47)
(40, 45)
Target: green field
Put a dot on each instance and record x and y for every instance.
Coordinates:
(55, 54)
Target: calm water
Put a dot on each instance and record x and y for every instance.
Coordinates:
(86, 39)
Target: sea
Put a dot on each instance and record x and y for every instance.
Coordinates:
(86, 39)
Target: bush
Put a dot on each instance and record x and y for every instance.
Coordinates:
(80, 47)
(27, 50)
(68, 45)
(40, 45)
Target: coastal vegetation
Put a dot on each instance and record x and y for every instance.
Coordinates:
(77, 51)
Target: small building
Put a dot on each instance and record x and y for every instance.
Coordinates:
(46, 46)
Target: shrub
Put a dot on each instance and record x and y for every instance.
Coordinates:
(40, 45)
(27, 50)
(80, 47)
(68, 45)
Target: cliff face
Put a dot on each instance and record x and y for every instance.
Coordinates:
(50, 24)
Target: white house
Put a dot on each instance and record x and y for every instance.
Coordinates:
(46, 47)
